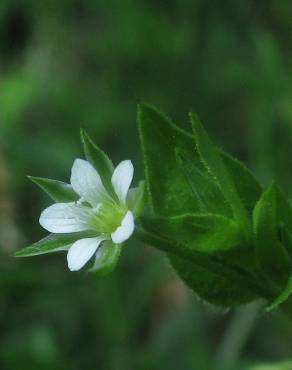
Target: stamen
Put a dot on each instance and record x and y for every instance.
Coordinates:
(97, 208)
(80, 201)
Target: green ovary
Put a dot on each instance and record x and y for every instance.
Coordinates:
(109, 217)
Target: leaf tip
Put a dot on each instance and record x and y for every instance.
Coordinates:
(83, 135)
(195, 122)
(142, 105)
(146, 108)
(143, 110)
(16, 254)
(34, 179)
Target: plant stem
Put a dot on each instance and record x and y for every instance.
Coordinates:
(237, 335)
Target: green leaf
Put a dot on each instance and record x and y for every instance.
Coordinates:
(207, 191)
(209, 233)
(186, 176)
(286, 238)
(209, 276)
(106, 258)
(136, 199)
(203, 187)
(248, 188)
(284, 210)
(213, 281)
(52, 243)
(168, 189)
(285, 294)
(99, 160)
(273, 258)
(284, 214)
(216, 166)
(59, 191)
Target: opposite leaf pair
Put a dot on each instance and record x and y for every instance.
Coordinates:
(226, 239)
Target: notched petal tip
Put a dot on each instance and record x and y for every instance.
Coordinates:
(125, 230)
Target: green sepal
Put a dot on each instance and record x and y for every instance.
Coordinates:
(52, 243)
(208, 233)
(59, 191)
(273, 259)
(106, 258)
(99, 160)
(210, 156)
(285, 294)
(136, 199)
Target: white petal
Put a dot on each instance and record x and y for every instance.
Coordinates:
(66, 218)
(86, 182)
(81, 252)
(124, 231)
(122, 178)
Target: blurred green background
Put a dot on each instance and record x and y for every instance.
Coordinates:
(66, 64)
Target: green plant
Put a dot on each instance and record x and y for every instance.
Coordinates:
(226, 237)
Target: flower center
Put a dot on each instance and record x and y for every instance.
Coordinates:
(108, 216)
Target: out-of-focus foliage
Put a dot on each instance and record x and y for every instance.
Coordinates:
(277, 366)
(66, 64)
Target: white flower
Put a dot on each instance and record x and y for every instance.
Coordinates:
(96, 210)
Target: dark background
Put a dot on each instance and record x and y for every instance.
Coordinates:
(66, 64)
